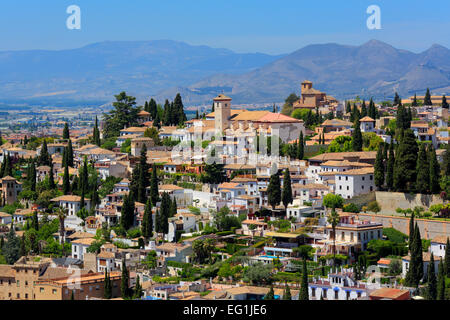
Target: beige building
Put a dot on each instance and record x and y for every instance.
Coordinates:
(10, 189)
(86, 286)
(311, 98)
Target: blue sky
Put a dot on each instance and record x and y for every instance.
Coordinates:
(268, 26)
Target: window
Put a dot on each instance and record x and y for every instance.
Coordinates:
(54, 291)
(18, 296)
(26, 295)
(41, 289)
(363, 178)
(313, 292)
(336, 295)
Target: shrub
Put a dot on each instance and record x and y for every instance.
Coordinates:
(374, 207)
(351, 207)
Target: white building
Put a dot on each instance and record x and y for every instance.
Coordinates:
(354, 182)
(72, 203)
(79, 247)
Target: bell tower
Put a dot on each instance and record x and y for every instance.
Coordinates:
(222, 112)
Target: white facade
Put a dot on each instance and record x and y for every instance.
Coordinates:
(349, 185)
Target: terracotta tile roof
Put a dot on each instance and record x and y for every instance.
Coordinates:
(221, 97)
(388, 293)
(84, 241)
(366, 119)
(169, 187)
(70, 198)
(357, 172)
(277, 117)
(440, 239)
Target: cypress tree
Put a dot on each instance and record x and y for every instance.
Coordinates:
(446, 163)
(44, 156)
(107, 287)
(427, 100)
(274, 190)
(158, 228)
(66, 134)
(127, 213)
(154, 193)
(157, 121)
(270, 295)
(33, 177)
(432, 283)
(348, 107)
(143, 176)
(51, 180)
(64, 157)
(286, 194)
(35, 221)
(70, 154)
(444, 102)
(379, 168)
(153, 109)
(178, 109)
(66, 180)
(165, 213)
(423, 171)
(397, 100)
(357, 141)
(173, 208)
(447, 259)
(287, 293)
(147, 221)
(414, 102)
(405, 162)
(11, 249)
(304, 285)
(411, 233)
(363, 109)
(96, 133)
(124, 286)
(167, 114)
(434, 170)
(23, 250)
(441, 282)
(419, 255)
(137, 289)
(300, 147)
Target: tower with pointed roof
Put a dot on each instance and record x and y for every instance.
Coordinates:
(222, 112)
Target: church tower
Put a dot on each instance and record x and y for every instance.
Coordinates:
(222, 112)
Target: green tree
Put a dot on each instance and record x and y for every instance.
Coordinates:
(11, 250)
(66, 180)
(432, 282)
(96, 133)
(286, 195)
(434, 170)
(154, 193)
(427, 99)
(270, 295)
(44, 157)
(138, 289)
(301, 147)
(405, 162)
(379, 168)
(357, 140)
(123, 115)
(444, 102)
(70, 154)
(274, 190)
(125, 281)
(147, 221)
(287, 293)
(423, 171)
(441, 282)
(303, 295)
(333, 201)
(51, 180)
(127, 213)
(447, 259)
(107, 286)
(66, 133)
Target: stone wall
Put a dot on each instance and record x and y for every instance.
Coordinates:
(429, 229)
(389, 201)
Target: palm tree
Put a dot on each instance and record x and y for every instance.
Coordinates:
(62, 214)
(333, 219)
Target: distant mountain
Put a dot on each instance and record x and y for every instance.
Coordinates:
(97, 71)
(372, 69)
(162, 68)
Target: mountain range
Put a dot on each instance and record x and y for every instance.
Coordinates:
(162, 68)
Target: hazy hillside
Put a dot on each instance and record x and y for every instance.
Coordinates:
(372, 69)
(99, 70)
(162, 68)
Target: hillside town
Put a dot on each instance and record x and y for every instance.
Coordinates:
(317, 199)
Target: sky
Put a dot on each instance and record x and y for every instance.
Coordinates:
(268, 26)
